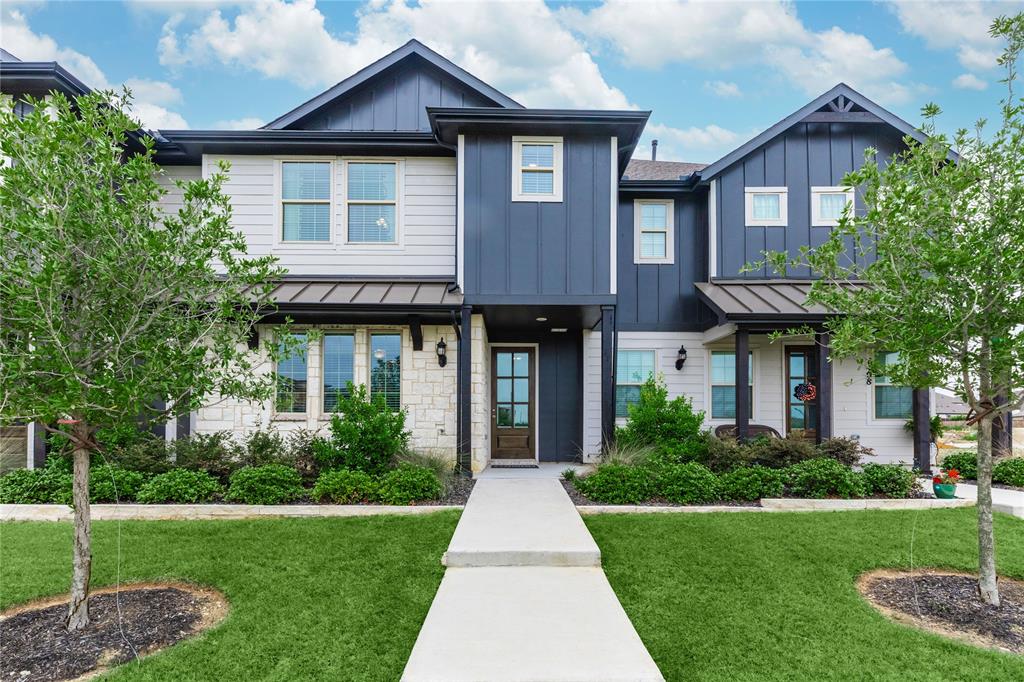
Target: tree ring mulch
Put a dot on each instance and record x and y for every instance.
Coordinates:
(153, 616)
(947, 603)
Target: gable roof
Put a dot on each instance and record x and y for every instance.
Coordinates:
(645, 169)
(411, 49)
(842, 90)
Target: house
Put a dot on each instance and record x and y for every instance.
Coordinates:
(510, 276)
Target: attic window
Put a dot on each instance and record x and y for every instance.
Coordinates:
(766, 206)
(537, 169)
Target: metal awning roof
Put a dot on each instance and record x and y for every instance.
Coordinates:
(385, 295)
(761, 300)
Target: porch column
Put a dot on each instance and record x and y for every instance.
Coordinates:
(1002, 431)
(464, 393)
(824, 430)
(609, 341)
(742, 383)
(921, 408)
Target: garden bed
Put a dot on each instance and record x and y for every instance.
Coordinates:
(947, 603)
(126, 624)
(581, 500)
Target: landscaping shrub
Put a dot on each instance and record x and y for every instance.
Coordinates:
(890, 480)
(670, 426)
(964, 462)
(726, 454)
(108, 483)
(408, 483)
(1009, 472)
(440, 463)
(779, 453)
(35, 486)
(844, 450)
(752, 483)
(216, 454)
(823, 477)
(342, 486)
(617, 484)
(264, 447)
(267, 484)
(365, 434)
(300, 453)
(692, 449)
(147, 455)
(180, 486)
(687, 483)
(619, 452)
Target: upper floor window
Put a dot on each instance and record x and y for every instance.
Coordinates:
(536, 169)
(306, 201)
(653, 233)
(291, 379)
(766, 206)
(723, 384)
(892, 401)
(828, 204)
(371, 202)
(632, 369)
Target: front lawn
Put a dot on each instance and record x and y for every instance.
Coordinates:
(331, 599)
(772, 596)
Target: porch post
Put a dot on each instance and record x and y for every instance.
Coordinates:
(608, 346)
(464, 393)
(742, 383)
(1002, 434)
(824, 430)
(921, 408)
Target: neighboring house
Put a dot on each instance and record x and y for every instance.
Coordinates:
(421, 213)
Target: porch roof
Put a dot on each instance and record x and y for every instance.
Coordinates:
(385, 294)
(774, 300)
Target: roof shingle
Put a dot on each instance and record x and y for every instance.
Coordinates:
(645, 169)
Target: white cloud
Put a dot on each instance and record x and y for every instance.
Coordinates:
(248, 123)
(754, 34)
(968, 81)
(961, 25)
(520, 48)
(722, 88)
(151, 97)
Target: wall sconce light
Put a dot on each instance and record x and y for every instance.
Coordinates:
(681, 358)
(379, 354)
(442, 349)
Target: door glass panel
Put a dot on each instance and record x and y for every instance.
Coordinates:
(504, 365)
(522, 390)
(504, 390)
(522, 414)
(504, 415)
(796, 416)
(796, 365)
(522, 365)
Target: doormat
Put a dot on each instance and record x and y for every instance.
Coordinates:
(514, 466)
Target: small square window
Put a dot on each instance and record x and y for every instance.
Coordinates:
(537, 169)
(653, 229)
(766, 206)
(828, 205)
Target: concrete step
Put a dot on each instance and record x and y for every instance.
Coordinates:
(528, 624)
(521, 522)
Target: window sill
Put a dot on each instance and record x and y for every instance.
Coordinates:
(528, 199)
(290, 417)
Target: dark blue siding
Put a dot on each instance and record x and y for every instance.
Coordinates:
(534, 248)
(663, 297)
(395, 101)
(805, 156)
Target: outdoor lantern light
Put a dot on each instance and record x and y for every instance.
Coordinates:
(442, 348)
(681, 357)
(379, 353)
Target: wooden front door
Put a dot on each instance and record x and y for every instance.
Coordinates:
(801, 368)
(513, 412)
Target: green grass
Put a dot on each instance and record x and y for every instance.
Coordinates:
(329, 599)
(772, 596)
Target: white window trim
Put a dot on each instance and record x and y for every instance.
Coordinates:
(669, 231)
(748, 196)
(616, 384)
(517, 177)
(279, 203)
(874, 418)
(399, 207)
(754, 403)
(816, 192)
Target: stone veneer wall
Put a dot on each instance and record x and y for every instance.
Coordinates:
(428, 392)
(481, 401)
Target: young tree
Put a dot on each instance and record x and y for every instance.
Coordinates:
(109, 308)
(933, 269)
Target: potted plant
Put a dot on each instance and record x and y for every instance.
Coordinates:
(944, 484)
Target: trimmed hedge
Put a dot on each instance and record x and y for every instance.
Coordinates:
(964, 462)
(1009, 472)
(267, 484)
(688, 483)
(752, 483)
(890, 480)
(34, 486)
(824, 477)
(344, 486)
(180, 486)
(109, 483)
(408, 483)
(618, 484)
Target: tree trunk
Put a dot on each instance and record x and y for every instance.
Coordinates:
(987, 587)
(78, 610)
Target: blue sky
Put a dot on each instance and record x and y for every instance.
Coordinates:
(713, 73)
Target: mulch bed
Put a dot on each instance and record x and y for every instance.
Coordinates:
(581, 500)
(152, 616)
(458, 491)
(947, 603)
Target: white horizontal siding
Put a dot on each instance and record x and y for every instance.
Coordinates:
(426, 220)
(172, 201)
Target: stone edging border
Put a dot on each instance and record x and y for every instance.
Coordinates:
(209, 512)
(780, 505)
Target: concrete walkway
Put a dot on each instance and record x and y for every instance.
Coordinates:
(1003, 499)
(523, 598)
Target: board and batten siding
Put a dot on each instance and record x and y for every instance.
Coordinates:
(537, 248)
(852, 399)
(807, 155)
(426, 204)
